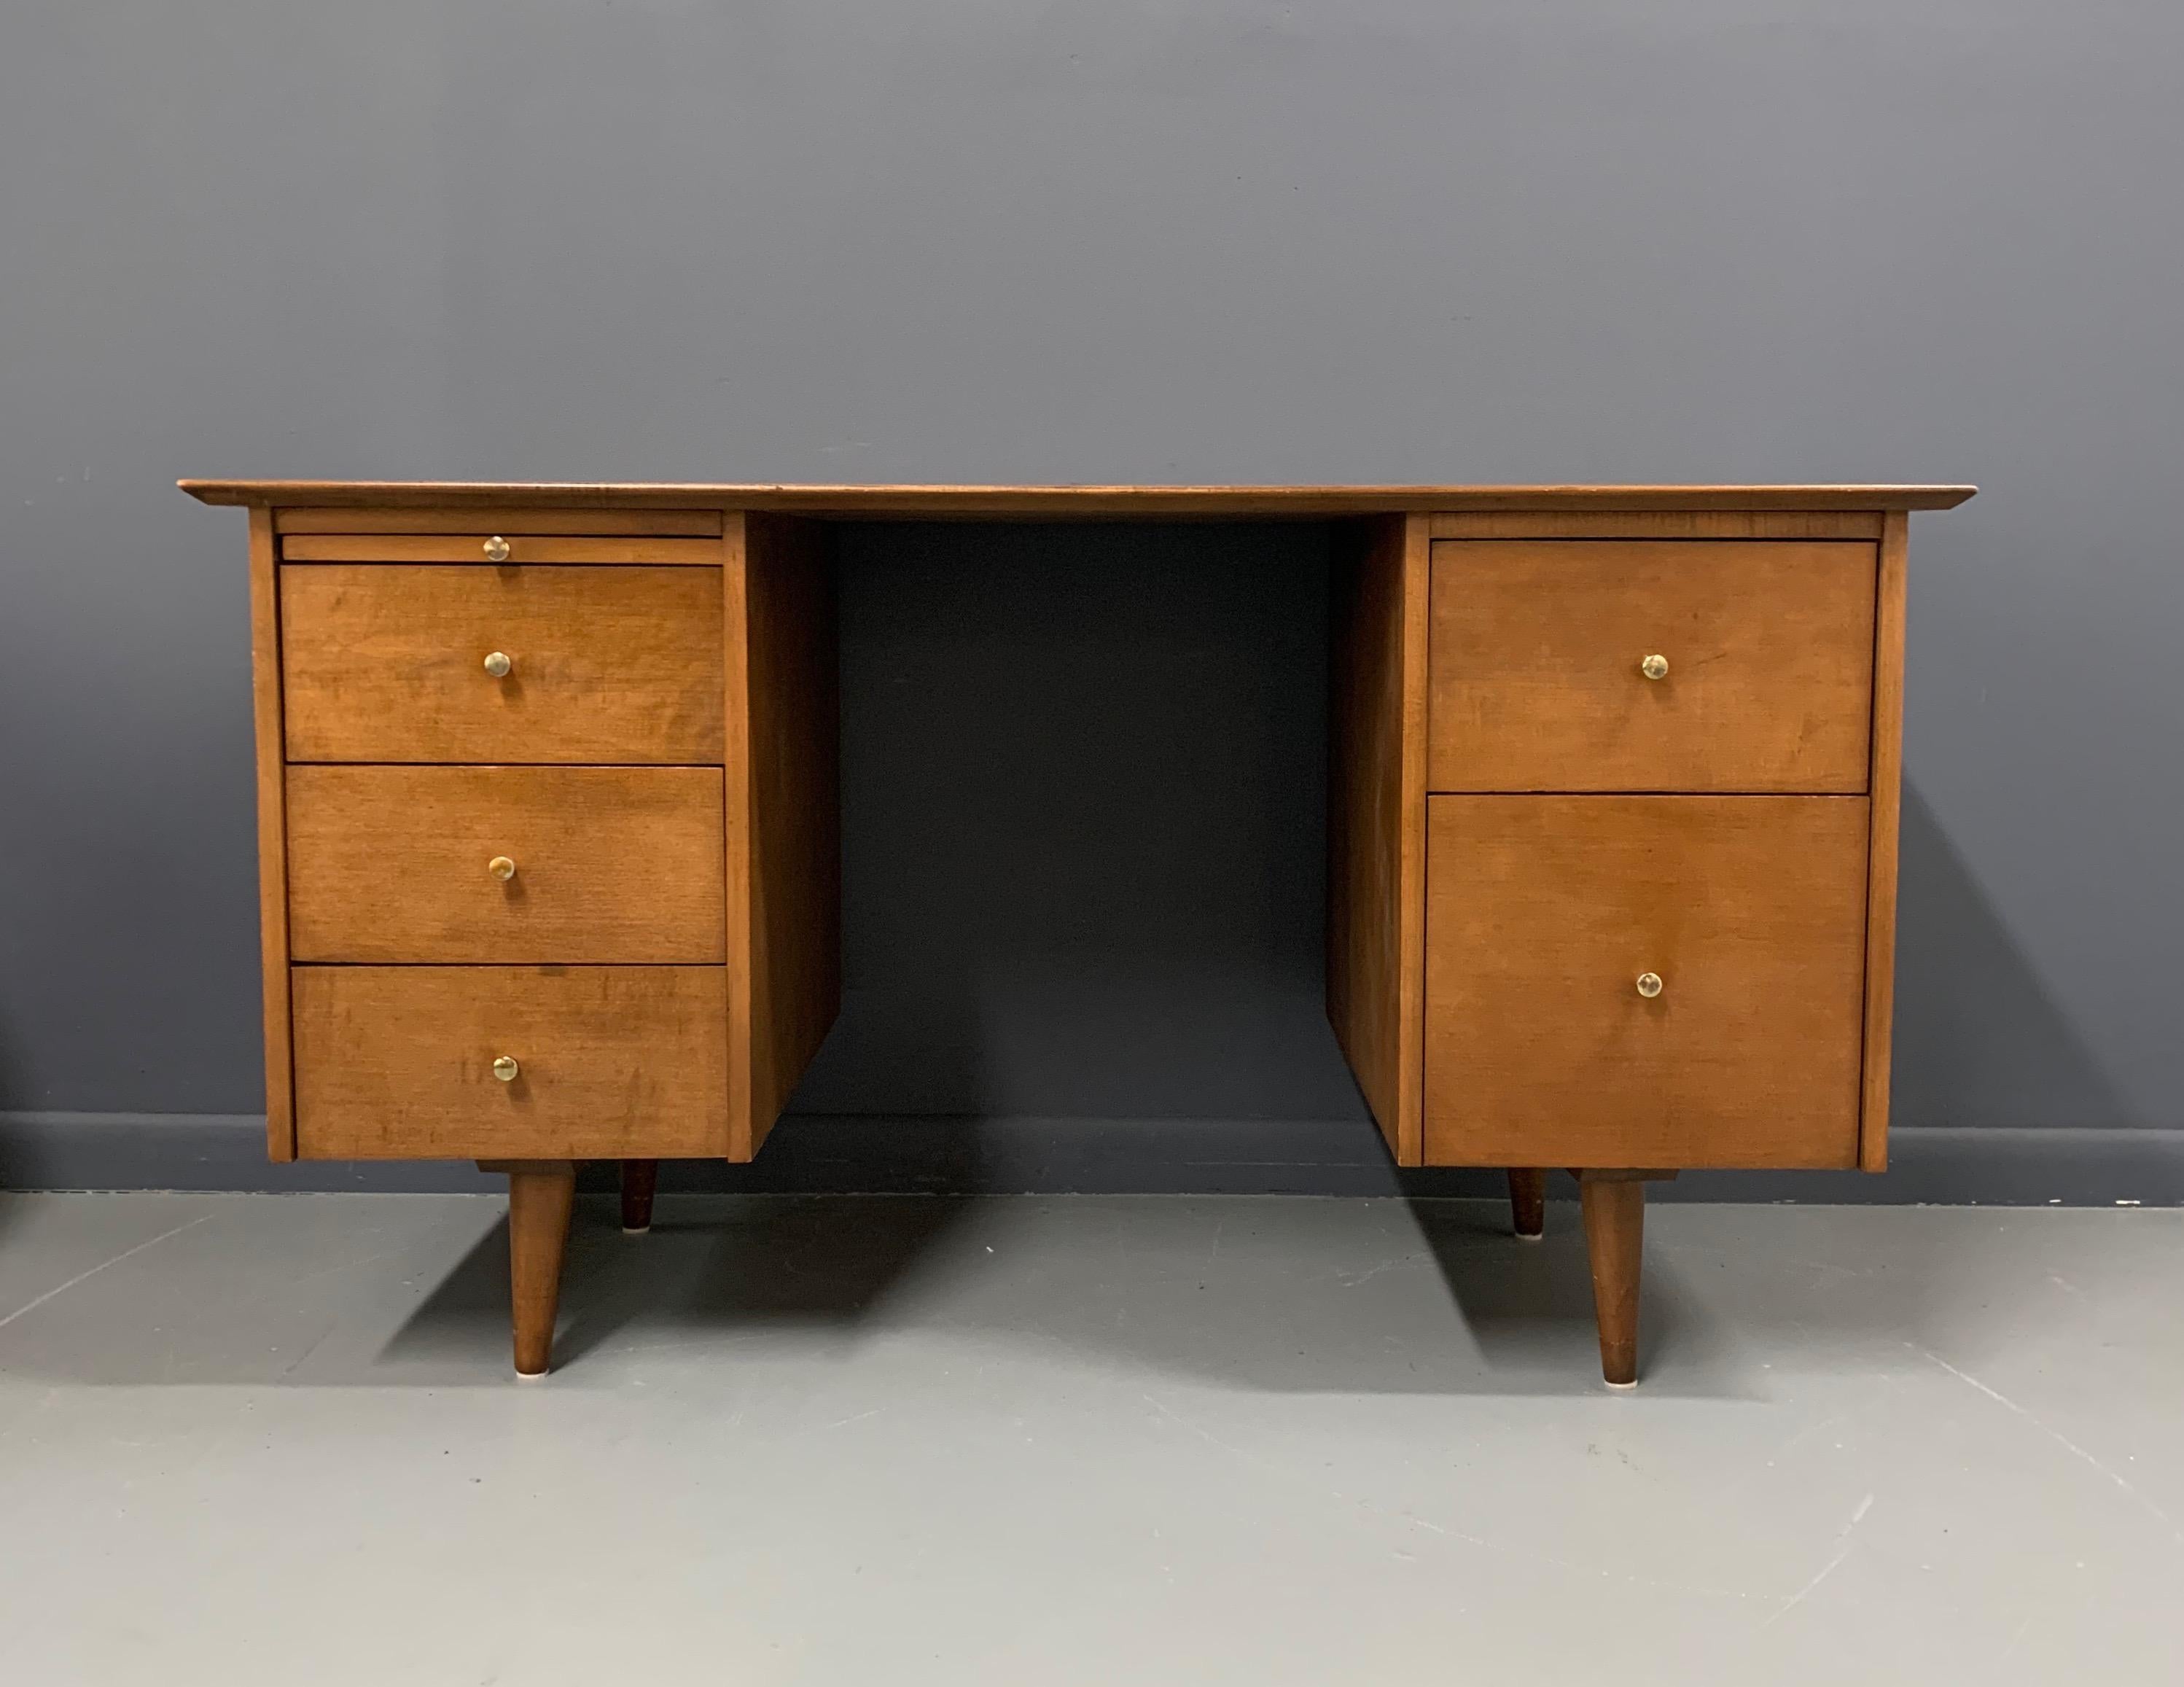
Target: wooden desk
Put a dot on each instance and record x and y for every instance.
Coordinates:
(550, 849)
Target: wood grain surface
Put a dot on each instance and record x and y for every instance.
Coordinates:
(540, 1194)
(785, 848)
(1887, 781)
(1614, 1212)
(1536, 647)
(1542, 911)
(611, 863)
(1659, 524)
(272, 838)
(1153, 501)
(1376, 817)
(610, 664)
(614, 1062)
(599, 552)
(483, 521)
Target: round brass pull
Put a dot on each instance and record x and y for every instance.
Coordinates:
(1654, 667)
(502, 868)
(497, 665)
(505, 1068)
(496, 549)
(1649, 985)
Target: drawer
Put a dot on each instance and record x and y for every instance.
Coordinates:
(1541, 914)
(388, 664)
(611, 1062)
(605, 864)
(477, 524)
(513, 548)
(1534, 652)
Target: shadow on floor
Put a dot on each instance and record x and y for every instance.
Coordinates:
(1421, 1298)
(1248, 1294)
(729, 1268)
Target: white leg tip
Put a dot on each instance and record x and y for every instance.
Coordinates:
(1531, 1235)
(1620, 1387)
(530, 1376)
(637, 1229)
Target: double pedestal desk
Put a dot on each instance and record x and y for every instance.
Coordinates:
(549, 836)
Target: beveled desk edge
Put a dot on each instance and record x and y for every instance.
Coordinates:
(1066, 501)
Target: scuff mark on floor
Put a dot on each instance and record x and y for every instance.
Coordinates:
(1843, 1544)
(85, 1276)
(2060, 1440)
(1500, 1548)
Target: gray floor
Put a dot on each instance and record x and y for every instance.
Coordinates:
(1250, 1440)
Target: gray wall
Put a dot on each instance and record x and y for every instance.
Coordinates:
(1696, 240)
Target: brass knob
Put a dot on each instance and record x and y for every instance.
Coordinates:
(505, 1068)
(497, 665)
(501, 868)
(1649, 985)
(1654, 667)
(496, 549)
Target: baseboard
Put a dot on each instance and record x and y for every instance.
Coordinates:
(1951, 1166)
(56, 1150)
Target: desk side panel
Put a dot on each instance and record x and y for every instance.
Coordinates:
(1376, 817)
(786, 710)
(1886, 789)
(272, 833)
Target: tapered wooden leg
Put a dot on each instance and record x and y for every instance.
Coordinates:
(1614, 1207)
(539, 1192)
(639, 1178)
(1528, 1201)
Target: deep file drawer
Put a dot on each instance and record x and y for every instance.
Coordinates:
(1644, 981)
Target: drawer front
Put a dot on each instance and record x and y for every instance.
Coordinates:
(397, 1062)
(613, 665)
(1541, 914)
(515, 549)
(477, 525)
(602, 863)
(1536, 650)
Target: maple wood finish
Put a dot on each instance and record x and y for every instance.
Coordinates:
(1657, 524)
(398, 1062)
(1612, 1203)
(386, 663)
(1376, 809)
(505, 864)
(1886, 801)
(272, 835)
(539, 1195)
(515, 551)
(478, 523)
(1543, 912)
(1062, 502)
(549, 824)
(1765, 648)
(784, 824)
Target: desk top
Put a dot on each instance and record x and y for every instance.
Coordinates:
(1068, 501)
